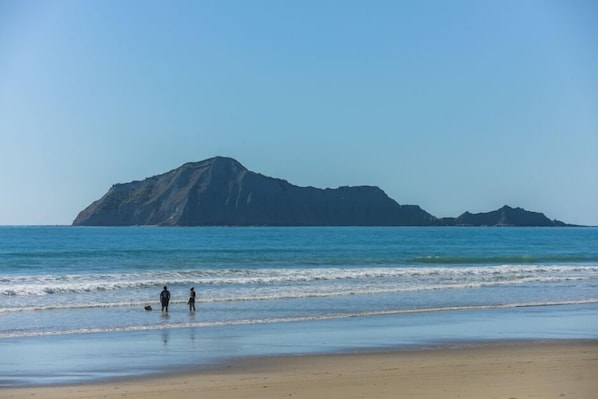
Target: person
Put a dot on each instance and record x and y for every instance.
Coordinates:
(165, 299)
(191, 299)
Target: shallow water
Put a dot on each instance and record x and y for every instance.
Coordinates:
(60, 359)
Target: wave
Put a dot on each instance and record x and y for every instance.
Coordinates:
(330, 316)
(286, 293)
(506, 259)
(406, 277)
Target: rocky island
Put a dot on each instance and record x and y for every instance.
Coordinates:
(221, 192)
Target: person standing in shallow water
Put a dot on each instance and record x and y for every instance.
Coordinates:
(192, 300)
(165, 299)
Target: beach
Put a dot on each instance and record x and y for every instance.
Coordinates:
(304, 308)
(555, 369)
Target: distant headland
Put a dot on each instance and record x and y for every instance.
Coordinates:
(221, 192)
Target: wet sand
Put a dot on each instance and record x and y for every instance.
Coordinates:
(559, 369)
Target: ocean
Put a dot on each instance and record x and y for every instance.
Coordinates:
(72, 299)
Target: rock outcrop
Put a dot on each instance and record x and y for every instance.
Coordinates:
(505, 216)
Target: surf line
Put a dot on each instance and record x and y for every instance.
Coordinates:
(331, 316)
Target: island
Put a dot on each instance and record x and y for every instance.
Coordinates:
(221, 192)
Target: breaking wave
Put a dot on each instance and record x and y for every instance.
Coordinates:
(408, 277)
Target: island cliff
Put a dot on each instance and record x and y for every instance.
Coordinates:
(222, 192)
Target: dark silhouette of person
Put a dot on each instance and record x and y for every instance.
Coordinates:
(191, 300)
(165, 298)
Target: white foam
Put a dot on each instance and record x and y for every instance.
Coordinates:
(42, 285)
(330, 316)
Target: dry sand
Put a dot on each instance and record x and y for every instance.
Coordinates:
(509, 371)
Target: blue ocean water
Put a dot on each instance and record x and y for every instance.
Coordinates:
(72, 298)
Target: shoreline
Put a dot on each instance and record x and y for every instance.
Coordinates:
(495, 369)
(93, 358)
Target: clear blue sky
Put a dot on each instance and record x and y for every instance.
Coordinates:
(450, 105)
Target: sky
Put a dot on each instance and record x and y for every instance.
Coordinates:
(455, 106)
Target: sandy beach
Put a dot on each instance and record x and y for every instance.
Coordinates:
(502, 370)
